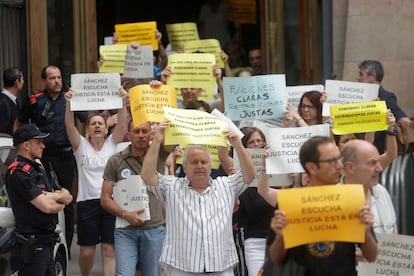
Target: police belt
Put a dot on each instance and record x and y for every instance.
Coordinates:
(50, 150)
(43, 239)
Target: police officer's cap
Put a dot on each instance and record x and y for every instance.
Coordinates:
(27, 132)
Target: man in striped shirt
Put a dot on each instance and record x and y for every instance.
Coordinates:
(199, 209)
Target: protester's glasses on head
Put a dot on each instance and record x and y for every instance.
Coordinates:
(330, 161)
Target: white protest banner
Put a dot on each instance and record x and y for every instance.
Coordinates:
(6, 141)
(285, 145)
(370, 269)
(122, 146)
(395, 257)
(346, 92)
(229, 122)
(266, 124)
(139, 62)
(296, 92)
(6, 144)
(255, 98)
(131, 195)
(95, 91)
(274, 180)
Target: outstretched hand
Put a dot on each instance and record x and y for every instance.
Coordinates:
(233, 138)
(159, 132)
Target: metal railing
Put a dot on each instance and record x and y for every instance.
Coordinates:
(398, 179)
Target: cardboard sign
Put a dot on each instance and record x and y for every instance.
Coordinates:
(255, 98)
(242, 11)
(114, 58)
(285, 146)
(141, 32)
(139, 63)
(395, 257)
(131, 195)
(209, 46)
(95, 91)
(274, 180)
(193, 71)
(147, 103)
(179, 33)
(346, 92)
(359, 118)
(193, 127)
(322, 213)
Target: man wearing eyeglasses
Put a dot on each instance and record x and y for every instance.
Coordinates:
(321, 159)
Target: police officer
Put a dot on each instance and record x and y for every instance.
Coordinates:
(47, 111)
(35, 205)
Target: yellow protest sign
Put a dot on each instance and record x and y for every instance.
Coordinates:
(213, 149)
(114, 58)
(142, 32)
(209, 46)
(193, 71)
(193, 127)
(359, 117)
(242, 11)
(322, 213)
(147, 103)
(178, 33)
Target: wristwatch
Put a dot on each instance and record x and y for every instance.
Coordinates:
(392, 132)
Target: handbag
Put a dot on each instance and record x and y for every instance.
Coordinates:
(405, 138)
(289, 268)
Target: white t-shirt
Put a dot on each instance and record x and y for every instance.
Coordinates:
(91, 165)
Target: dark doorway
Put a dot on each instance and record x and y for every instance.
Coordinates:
(164, 12)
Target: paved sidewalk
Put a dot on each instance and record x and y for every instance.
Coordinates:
(73, 267)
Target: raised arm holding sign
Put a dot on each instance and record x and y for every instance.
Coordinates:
(183, 217)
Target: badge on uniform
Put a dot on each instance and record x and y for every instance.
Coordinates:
(125, 173)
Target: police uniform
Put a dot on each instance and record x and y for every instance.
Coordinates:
(25, 181)
(49, 116)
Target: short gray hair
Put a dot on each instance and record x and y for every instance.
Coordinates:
(198, 147)
(371, 67)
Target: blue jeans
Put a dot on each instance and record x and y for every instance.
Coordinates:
(143, 245)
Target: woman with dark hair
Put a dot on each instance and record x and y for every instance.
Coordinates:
(254, 213)
(253, 137)
(309, 110)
